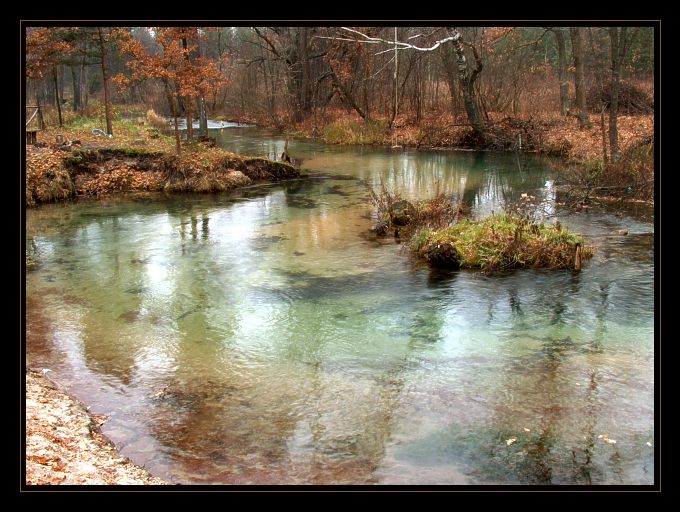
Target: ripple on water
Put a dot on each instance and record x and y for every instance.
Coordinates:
(261, 339)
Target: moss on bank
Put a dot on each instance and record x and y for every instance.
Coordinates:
(500, 242)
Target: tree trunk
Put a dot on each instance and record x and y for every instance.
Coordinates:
(174, 108)
(84, 88)
(76, 88)
(105, 76)
(618, 53)
(305, 86)
(579, 76)
(562, 71)
(605, 158)
(189, 107)
(396, 83)
(190, 119)
(451, 78)
(202, 116)
(57, 99)
(467, 87)
(61, 74)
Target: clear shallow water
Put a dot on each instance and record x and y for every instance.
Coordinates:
(264, 337)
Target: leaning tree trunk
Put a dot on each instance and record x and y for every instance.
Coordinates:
(466, 78)
(579, 76)
(618, 52)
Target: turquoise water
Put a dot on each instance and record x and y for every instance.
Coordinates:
(267, 337)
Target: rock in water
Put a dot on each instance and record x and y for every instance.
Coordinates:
(381, 228)
(399, 213)
(443, 256)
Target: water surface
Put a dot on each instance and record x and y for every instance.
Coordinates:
(266, 337)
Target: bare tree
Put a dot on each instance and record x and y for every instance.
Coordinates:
(466, 75)
(562, 70)
(618, 53)
(467, 78)
(103, 41)
(579, 76)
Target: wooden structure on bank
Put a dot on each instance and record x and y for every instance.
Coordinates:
(34, 123)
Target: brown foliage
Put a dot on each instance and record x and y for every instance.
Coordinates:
(46, 179)
(44, 48)
(632, 99)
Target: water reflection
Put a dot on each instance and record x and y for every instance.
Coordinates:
(265, 338)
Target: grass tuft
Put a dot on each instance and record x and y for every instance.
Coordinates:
(500, 242)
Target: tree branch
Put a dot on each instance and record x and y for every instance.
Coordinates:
(401, 45)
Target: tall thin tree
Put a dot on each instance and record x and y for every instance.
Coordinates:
(617, 37)
(579, 75)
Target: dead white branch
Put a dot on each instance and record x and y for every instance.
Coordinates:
(398, 44)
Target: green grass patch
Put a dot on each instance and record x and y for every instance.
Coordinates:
(500, 242)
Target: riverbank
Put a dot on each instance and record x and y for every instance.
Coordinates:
(550, 134)
(65, 444)
(74, 162)
(579, 150)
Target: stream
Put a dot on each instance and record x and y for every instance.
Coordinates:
(266, 337)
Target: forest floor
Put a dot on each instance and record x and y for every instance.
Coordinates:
(65, 444)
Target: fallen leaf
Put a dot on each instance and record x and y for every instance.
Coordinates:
(510, 441)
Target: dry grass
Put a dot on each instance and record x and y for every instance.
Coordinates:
(155, 120)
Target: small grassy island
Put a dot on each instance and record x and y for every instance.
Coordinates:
(501, 242)
(442, 236)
